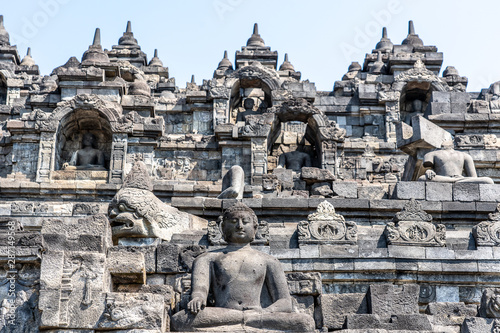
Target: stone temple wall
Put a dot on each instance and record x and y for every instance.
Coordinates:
(368, 241)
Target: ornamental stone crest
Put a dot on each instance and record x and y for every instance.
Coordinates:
(487, 233)
(413, 226)
(327, 227)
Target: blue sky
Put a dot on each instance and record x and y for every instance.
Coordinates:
(320, 37)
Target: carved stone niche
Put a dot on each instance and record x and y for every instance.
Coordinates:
(413, 226)
(487, 233)
(327, 227)
(215, 233)
(71, 131)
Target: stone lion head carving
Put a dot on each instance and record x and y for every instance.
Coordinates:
(136, 212)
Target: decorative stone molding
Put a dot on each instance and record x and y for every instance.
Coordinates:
(487, 233)
(85, 209)
(326, 227)
(215, 233)
(413, 226)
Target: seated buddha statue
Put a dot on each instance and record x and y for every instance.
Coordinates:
(87, 158)
(236, 276)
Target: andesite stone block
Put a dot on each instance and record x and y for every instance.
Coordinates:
(465, 192)
(336, 307)
(345, 189)
(385, 299)
(489, 192)
(410, 190)
(436, 191)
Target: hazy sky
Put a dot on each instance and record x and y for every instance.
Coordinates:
(320, 37)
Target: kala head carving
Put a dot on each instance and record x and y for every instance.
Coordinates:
(136, 212)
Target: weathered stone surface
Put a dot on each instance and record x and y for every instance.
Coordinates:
(410, 190)
(149, 253)
(479, 325)
(450, 314)
(345, 189)
(304, 283)
(315, 175)
(435, 191)
(92, 234)
(126, 267)
(336, 307)
(138, 311)
(322, 189)
(385, 299)
(465, 192)
(490, 303)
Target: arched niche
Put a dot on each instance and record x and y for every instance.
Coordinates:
(249, 88)
(62, 132)
(70, 133)
(252, 81)
(417, 85)
(319, 132)
(414, 99)
(293, 136)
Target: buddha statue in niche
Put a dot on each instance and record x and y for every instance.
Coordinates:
(87, 158)
(294, 160)
(248, 109)
(236, 276)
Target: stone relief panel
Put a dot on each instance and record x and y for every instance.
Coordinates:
(490, 303)
(327, 227)
(85, 209)
(178, 123)
(187, 165)
(25, 158)
(6, 159)
(413, 227)
(202, 122)
(19, 294)
(371, 166)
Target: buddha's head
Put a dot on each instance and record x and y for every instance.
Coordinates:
(239, 224)
(248, 103)
(88, 140)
